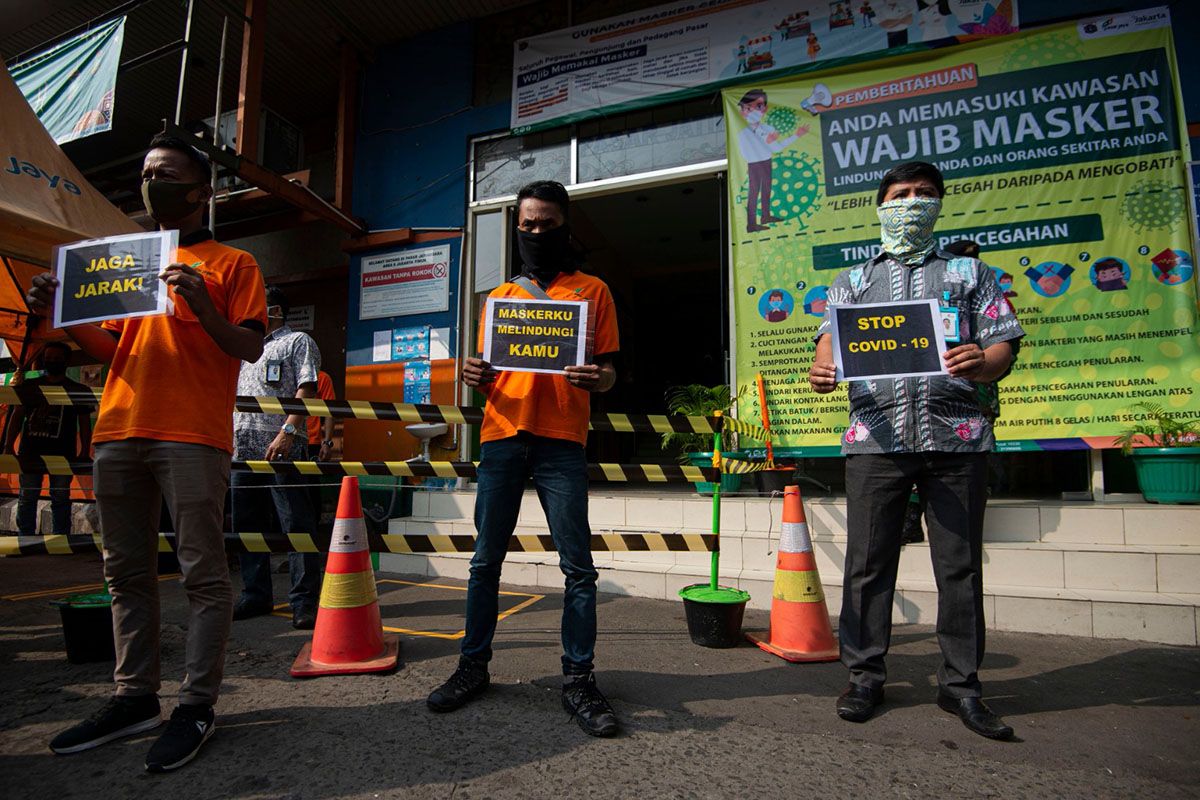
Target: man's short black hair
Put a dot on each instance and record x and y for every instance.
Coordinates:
(549, 191)
(164, 142)
(964, 247)
(60, 346)
(752, 95)
(277, 297)
(773, 293)
(911, 171)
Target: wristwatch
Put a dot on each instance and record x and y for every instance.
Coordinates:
(327, 442)
(288, 428)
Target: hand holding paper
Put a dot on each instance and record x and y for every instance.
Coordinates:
(189, 285)
(476, 372)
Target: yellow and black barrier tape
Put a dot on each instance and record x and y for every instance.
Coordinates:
(390, 412)
(617, 473)
(602, 542)
(734, 466)
(626, 473)
(746, 429)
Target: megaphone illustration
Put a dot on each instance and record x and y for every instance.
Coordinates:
(820, 96)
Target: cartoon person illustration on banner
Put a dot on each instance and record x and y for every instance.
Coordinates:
(933, 16)
(776, 306)
(867, 12)
(758, 143)
(1110, 275)
(895, 16)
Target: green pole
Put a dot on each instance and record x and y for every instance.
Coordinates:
(716, 516)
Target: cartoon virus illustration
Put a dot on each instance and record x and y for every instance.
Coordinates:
(782, 119)
(795, 187)
(1153, 205)
(778, 263)
(1042, 52)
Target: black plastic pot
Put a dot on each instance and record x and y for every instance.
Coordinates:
(775, 480)
(87, 628)
(714, 618)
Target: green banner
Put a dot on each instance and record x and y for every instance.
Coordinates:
(1064, 154)
(71, 86)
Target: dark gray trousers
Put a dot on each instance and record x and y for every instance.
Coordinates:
(954, 486)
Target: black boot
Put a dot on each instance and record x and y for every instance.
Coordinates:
(468, 682)
(582, 699)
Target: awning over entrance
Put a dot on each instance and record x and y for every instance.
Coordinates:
(44, 201)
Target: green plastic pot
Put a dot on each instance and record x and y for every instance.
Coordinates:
(714, 616)
(1168, 474)
(729, 483)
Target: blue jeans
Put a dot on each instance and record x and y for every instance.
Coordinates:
(559, 472)
(60, 503)
(251, 506)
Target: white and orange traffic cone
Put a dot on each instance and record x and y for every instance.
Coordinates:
(800, 629)
(348, 637)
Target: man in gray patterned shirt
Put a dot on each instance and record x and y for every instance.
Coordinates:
(933, 431)
(287, 368)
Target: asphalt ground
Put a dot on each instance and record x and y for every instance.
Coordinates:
(1094, 718)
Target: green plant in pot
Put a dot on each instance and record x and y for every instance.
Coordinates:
(698, 400)
(1166, 454)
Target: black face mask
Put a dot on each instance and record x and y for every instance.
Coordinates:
(167, 201)
(546, 254)
(55, 369)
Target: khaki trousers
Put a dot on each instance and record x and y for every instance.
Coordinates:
(132, 478)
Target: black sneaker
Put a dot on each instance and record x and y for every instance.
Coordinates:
(118, 718)
(583, 701)
(468, 681)
(190, 727)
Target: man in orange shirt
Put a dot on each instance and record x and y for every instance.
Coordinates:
(165, 433)
(320, 429)
(535, 426)
(320, 439)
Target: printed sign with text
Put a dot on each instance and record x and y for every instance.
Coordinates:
(405, 282)
(535, 335)
(888, 340)
(112, 278)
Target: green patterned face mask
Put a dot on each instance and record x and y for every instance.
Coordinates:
(906, 227)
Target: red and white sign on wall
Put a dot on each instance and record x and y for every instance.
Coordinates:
(405, 282)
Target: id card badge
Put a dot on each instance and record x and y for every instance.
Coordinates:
(273, 372)
(950, 321)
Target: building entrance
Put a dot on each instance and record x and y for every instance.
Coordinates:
(660, 250)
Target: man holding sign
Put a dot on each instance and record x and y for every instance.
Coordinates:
(165, 433)
(535, 426)
(924, 423)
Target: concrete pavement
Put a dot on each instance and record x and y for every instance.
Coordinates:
(1094, 718)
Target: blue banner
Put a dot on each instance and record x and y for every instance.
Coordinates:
(71, 85)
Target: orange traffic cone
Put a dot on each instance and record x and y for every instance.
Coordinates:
(348, 638)
(800, 628)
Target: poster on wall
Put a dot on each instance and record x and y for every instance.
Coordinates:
(405, 282)
(71, 86)
(648, 56)
(1064, 154)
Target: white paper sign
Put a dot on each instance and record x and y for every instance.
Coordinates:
(381, 346)
(405, 282)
